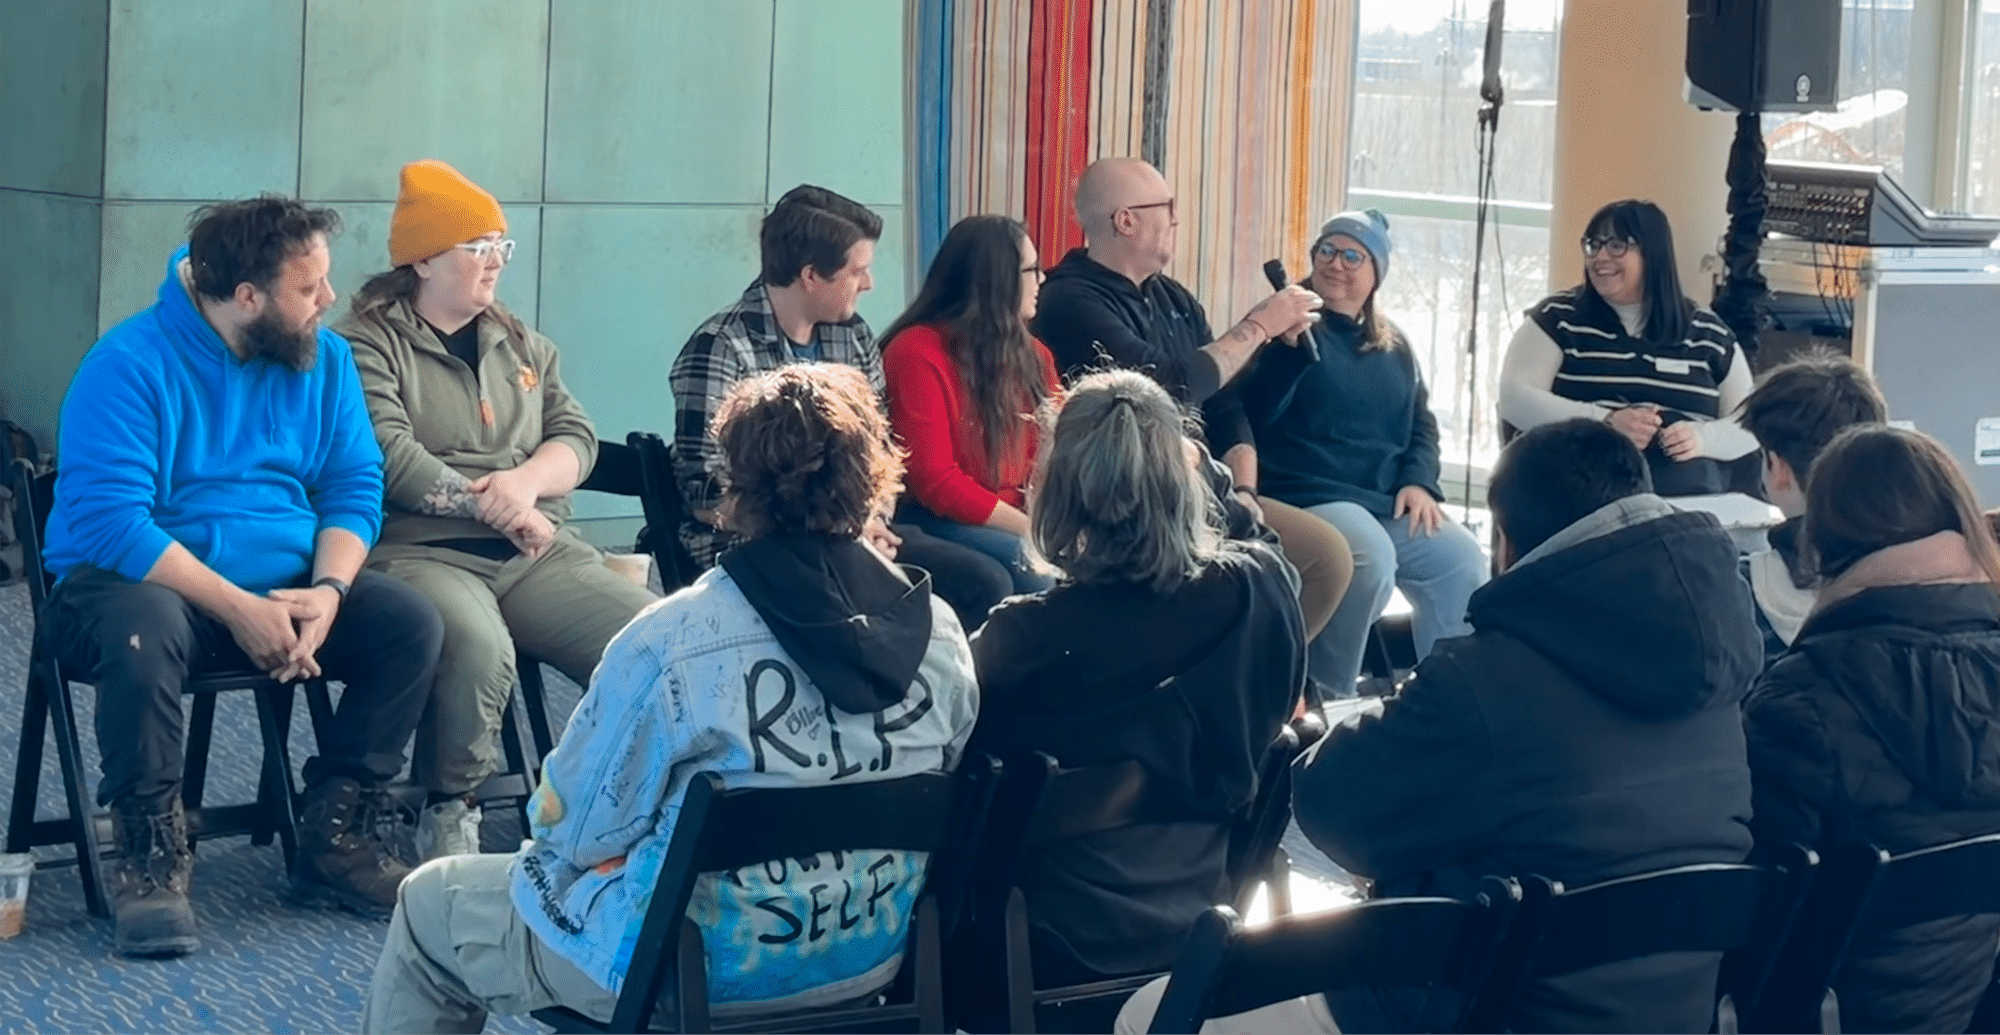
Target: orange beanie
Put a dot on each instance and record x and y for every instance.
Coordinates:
(436, 208)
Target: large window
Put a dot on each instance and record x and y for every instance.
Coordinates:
(1983, 142)
(1919, 96)
(1880, 42)
(1413, 155)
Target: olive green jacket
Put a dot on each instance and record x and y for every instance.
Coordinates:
(431, 414)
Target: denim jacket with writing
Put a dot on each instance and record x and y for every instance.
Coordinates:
(697, 682)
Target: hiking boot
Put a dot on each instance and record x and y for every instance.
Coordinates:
(450, 827)
(149, 887)
(344, 858)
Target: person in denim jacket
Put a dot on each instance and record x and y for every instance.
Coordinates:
(804, 657)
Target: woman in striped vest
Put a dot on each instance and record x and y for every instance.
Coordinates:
(1627, 347)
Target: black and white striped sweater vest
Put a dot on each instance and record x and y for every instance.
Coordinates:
(1602, 363)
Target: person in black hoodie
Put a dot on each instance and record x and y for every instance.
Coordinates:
(1882, 723)
(1111, 304)
(1588, 728)
(1163, 642)
(1344, 431)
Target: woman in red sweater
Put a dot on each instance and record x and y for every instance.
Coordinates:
(964, 382)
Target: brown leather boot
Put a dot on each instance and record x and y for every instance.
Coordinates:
(149, 887)
(343, 859)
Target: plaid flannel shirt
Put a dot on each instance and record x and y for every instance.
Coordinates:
(735, 343)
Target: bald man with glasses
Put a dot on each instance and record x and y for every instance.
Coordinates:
(1111, 304)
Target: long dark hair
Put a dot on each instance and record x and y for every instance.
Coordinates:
(973, 291)
(1668, 311)
(1876, 486)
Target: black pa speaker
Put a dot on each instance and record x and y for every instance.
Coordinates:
(1764, 55)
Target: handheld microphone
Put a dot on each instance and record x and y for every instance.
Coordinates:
(1274, 271)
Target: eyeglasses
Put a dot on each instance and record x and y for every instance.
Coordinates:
(1616, 247)
(485, 250)
(1034, 271)
(1167, 204)
(1345, 258)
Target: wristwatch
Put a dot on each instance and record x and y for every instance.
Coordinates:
(339, 585)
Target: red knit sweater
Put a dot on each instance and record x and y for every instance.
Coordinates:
(934, 418)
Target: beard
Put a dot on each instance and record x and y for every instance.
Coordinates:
(267, 337)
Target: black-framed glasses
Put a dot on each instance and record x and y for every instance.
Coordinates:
(1036, 271)
(1167, 204)
(1616, 247)
(485, 250)
(1345, 258)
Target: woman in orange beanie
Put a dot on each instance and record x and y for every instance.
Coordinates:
(482, 446)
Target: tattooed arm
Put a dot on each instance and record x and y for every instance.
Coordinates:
(450, 496)
(414, 479)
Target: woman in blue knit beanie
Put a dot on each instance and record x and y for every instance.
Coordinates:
(1344, 430)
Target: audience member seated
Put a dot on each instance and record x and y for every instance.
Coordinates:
(1110, 303)
(1882, 722)
(817, 247)
(1628, 348)
(482, 446)
(1794, 412)
(1589, 728)
(1344, 431)
(219, 489)
(803, 647)
(1162, 642)
(964, 382)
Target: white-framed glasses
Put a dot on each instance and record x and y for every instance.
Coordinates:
(484, 251)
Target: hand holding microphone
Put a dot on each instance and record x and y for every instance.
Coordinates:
(1299, 332)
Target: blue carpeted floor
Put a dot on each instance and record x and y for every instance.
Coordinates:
(264, 965)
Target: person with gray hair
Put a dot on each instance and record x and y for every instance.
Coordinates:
(1344, 432)
(1166, 640)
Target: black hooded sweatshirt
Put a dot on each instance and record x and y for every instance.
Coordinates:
(857, 630)
(1589, 728)
(1194, 685)
(1883, 724)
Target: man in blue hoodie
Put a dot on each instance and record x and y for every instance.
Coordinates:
(219, 488)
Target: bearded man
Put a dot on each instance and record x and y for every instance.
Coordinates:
(219, 488)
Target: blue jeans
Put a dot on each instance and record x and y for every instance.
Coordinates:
(1438, 575)
(1004, 547)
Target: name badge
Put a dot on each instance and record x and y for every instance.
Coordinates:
(1676, 367)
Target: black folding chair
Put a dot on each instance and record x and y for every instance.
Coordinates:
(1723, 908)
(1226, 968)
(664, 509)
(1039, 803)
(49, 703)
(632, 470)
(1390, 651)
(1258, 856)
(1864, 887)
(724, 828)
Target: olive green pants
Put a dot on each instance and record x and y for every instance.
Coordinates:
(562, 607)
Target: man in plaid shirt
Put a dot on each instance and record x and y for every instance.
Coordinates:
(817, 247)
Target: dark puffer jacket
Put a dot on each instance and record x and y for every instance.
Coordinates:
(1589, 728)
(1883, 724)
